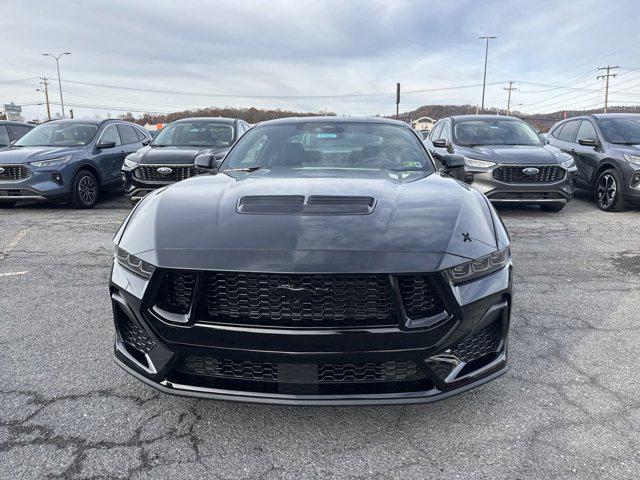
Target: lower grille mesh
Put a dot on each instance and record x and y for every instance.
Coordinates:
(369, 372)
(133, 335)
(476, 345)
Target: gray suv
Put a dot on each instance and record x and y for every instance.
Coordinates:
(506, 160)
(606, 149)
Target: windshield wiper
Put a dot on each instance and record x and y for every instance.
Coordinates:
(242, 169)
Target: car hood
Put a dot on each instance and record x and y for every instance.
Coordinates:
(172, 155)
(32, 154)
(420, 223)
(514, 154)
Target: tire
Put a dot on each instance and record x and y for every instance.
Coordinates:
(552, 207)
(85, 190)
(608, 192)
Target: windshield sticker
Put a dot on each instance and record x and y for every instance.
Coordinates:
(412, 164)
(327, 135)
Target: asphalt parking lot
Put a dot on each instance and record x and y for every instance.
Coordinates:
(569, 406)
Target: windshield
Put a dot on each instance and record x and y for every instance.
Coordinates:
(59, 134)
(625, 130)
(494, 132)
(329, 145)
(196, 134)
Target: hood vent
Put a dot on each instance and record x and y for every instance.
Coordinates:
(314, 205)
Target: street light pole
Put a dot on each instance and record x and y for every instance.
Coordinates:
(486, 55)
(57, 58)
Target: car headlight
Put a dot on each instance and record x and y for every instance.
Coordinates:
(568, 163)
(632, 158)
(52, 162)
(134, 264)
(473, 162)
(479, 267)
(130, 163)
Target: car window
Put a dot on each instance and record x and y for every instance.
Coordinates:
(446, 132)
(586, 130)
(494, 131)
(110, 134)
(4, 136)
(568, 131)
(196, 133)
(141, 135)
(621, 130)
(436, 131)
(17, 131)
(127, 134)
(330, 145)
(63, 133)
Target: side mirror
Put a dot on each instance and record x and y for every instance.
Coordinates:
(145, 142)
(440, 143)
(588, 142)
(208, 162)
(452, 162)
(103, 145)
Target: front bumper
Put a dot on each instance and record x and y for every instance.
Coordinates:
(266, 365)
(526, 193)
(40, 184)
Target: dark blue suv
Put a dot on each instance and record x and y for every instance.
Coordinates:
(68, 161)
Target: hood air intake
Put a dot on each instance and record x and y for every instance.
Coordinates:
(314, 205)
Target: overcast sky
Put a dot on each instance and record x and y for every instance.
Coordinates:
(274, 53)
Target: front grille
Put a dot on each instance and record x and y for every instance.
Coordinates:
(298, 301)
(327, 373)
(418, 296)
(14, 172)
(515, 174)
(176, 291)
(391, 371)
(476, 345)
(295, 300)
(133, 335)
(149, 173)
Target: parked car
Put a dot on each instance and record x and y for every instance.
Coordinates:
(507, 160)
(67, 161)
(171, 155)
(606, 149)
(328, 261)
(11, 131)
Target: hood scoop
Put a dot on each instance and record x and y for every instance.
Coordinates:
(313, 205)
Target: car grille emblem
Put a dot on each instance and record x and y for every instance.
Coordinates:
(164, 170)
(531, 171)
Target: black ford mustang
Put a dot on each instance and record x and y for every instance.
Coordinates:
(326, 262)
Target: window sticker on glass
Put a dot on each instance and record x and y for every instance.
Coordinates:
(327, 135)
(412, 164)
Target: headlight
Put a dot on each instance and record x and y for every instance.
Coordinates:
(130, 163)
(472, 162)
(568, 163)
(631, 158)
(479, 267)
(134, 264)
(53, 162)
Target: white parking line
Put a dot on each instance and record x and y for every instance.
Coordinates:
(13, 274)
(13, 243)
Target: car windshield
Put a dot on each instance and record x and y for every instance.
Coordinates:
(196, 134)
(335, 145)
(494, 132)
(623, 130)
(59, 134)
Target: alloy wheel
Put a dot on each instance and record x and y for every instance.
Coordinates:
(87, 189)
(606, 190)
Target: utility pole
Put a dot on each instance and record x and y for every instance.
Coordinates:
(44, 84)
(510, 88)
(486, 55)
(606, 76)
(57, 59)
(397, 100)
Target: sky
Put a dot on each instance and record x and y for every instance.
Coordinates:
(344, 57)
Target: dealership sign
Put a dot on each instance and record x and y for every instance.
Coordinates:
(13, 112)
